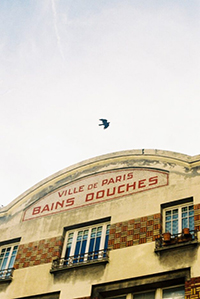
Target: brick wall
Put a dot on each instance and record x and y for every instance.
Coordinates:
(135, 231)
(38, 252)
(192, 288)
(197, 216)
(122, 234)
(141, 230)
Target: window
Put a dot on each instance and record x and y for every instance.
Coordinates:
(174, 293)
(55, 295)
(7, 258)
(147, 295)
(169, 293)
(177, 218)
(164, 285)
(86, 244)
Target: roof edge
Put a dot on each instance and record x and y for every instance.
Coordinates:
(178, 158)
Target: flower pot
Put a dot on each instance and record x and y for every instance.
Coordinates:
(186, 231)
(167, 237)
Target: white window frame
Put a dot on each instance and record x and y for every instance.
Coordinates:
(74, 241)
(4, 273)
(158, 293)
(179, 208)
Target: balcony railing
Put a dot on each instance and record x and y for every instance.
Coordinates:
(168, 240)
(6, 274)
(80, 260)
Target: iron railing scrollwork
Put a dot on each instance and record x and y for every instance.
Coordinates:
(176, 239)
(81, 259)
(6, 274)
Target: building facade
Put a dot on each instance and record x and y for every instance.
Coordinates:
(122, 225)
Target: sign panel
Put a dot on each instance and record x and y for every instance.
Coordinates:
(97, 188)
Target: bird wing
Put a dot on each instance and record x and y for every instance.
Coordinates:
(104, 121)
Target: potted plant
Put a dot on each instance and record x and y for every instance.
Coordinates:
(186, 231)
(167, 237)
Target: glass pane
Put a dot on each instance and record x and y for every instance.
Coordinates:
(184, 222)
(168, 227)
(93, 232)
(175, 214)
(148, 295)
(191, 223)
(171, 221)
(80, 245)
(168, 216)
(12, 259)
(107, 237)
(79, 236)
(188, 217)
(69, 245)
(85, 234)
(175, 227)
(99, 231)
(168, 213)
(4, 257)
(98, 240)
(174, 293)
(91, 245)
(191, 210)
(77, 249)
(95, 240)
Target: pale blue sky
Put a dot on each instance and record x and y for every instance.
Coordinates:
(66, 63)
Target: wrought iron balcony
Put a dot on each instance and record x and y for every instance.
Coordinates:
(6, 274)
(169, 241)
(100, 256)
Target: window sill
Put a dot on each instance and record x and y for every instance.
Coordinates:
(183, 244)
(5, 280)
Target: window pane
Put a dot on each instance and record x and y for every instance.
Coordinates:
(175, 293)
(171, 221)
(95, 240)
(191, 210)
(12, 259)
(175, 214)
(184, 223)
(188, 217)
(178, 218)
(4, 258)
(175, 227)
(80, 245)
(168, 227)
(87, 245)
(148, 295)
(107, 237)
(191, 223)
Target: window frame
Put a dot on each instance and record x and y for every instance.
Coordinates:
(158, 292)
(179, 207)
(164, 280)
(83, 228)
(6, 268)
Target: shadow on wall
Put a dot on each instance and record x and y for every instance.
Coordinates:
(178, 258)
(88, 273)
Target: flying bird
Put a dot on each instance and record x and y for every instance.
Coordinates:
(105, 123)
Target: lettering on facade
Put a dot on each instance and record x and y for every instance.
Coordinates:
(97, 188)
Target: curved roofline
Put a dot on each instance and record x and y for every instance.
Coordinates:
(172, 157)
